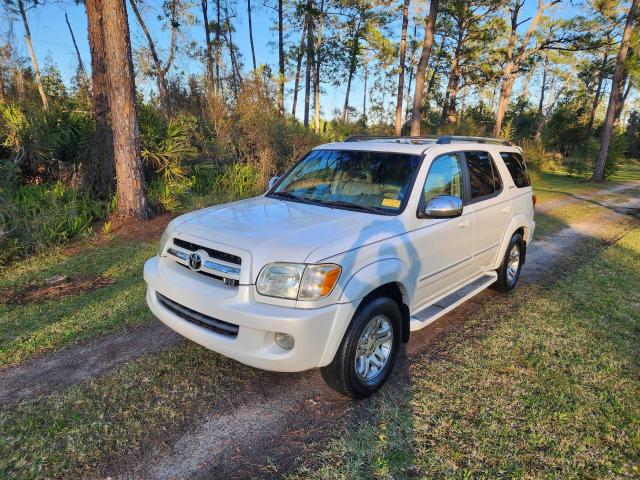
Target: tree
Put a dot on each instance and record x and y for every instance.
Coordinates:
(515, 55)
(299, 56)
(316, 73)
(421, 70)
(32, 54)
(309, 64)
(403, 46)
(281, 66)
(132, 201)
(209, 52)
(75, 46)
(253, 49)
(159, 69)
(101, 173)
(618, 73)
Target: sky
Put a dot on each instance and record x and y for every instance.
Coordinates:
(52, 40)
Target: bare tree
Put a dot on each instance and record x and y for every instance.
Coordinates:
(32, 55)
(160, 70)
(403, 47)
(253, 49)
(421, 70)
(618, 74)
(132, 200)
(75, 46)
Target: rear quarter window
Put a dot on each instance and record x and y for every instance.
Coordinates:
(517, 168)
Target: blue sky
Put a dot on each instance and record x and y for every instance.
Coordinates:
(51, 39)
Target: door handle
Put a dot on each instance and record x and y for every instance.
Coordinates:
(464, 223)
(506, 210)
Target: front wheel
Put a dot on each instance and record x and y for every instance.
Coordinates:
(509, 271)
(368, 350)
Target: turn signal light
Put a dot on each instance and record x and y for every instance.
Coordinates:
(535, 200)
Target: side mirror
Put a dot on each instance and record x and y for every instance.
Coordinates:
(443, 206)
(272, 181)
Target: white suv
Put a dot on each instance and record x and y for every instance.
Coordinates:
(356, 246)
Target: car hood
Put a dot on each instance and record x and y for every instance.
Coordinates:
(273, 230)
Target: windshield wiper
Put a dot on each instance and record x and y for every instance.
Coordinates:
(351, 206)
(290, 196)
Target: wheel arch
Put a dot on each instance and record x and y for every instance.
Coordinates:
(519, 224)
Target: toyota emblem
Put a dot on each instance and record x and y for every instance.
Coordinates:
(195, 261)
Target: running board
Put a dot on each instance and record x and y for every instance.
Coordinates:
(451, 301)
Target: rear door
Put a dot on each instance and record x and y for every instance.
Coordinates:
(491, 207)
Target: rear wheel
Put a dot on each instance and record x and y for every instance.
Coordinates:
(368, 350)
(509, 271)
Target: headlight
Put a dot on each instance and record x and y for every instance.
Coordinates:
(166, 236)
(298, 281)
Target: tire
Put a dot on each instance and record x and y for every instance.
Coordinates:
(345, 373)
(508, 273)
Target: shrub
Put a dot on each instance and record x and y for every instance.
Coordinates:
(36, 216)
(538, 158)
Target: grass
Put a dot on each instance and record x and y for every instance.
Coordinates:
(544, 385)
(80, 430)
(27, 330)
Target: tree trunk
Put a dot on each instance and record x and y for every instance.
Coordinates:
(32, 54)
(316, 75)
(296, 84)
(598, 95)
(410, 82)
(353, 63)
(281, 60)
(217, 44)
(132, 201)
(161, 80)
(543, 88)
(101, 172)
(235, 69)
(623, 94)
(2, 87)
(309, 64)
(618, 73)
(75, 46)
(364, 96)
(449, 105)
(20, 91)
(421, 70)
(205, 20)
(253, 50)
(403, 48)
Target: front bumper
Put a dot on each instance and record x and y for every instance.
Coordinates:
(317, 332)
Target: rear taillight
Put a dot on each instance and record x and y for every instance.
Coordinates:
(534, 199)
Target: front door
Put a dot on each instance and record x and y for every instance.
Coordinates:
(444, 246)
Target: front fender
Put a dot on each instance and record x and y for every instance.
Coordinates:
(378, 273)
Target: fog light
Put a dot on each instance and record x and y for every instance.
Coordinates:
(284, 340)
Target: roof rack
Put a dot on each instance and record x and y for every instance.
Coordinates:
(445, 139)
(439, 139)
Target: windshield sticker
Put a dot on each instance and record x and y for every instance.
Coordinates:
(390, 202)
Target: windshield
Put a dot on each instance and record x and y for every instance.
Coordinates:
(377, 182)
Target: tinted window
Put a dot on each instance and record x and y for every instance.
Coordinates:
(517, 168)
(444, 178)
(483, 176)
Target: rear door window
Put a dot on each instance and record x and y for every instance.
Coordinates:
(517, 168)
(484, 179)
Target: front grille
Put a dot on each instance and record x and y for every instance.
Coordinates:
(230, 282)
(210, 323)
(192, 247)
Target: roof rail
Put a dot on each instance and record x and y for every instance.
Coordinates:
(366, 138)
(446, 139)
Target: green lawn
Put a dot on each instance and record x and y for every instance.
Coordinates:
(26, 330)
(545, 384)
